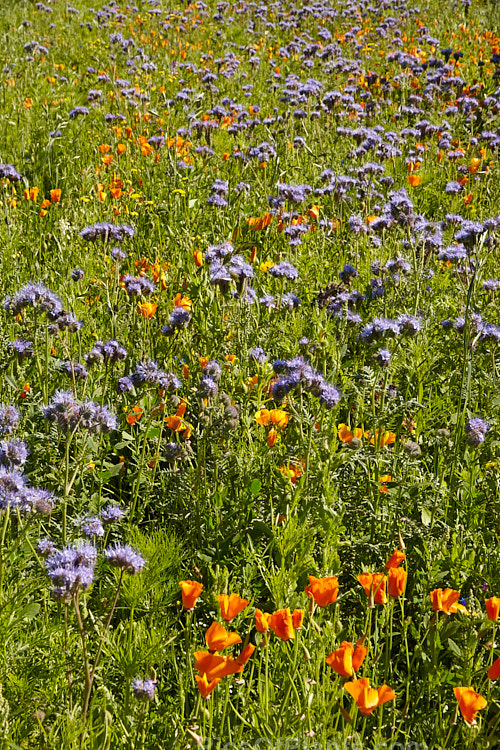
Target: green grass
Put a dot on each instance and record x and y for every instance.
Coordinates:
(226, 513)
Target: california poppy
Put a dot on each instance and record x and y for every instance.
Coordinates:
(208, 664)
(367, 698)
(346, 435)
(218, 638)
(215, 666)
(276, 417)
(324, 591)
(347, 659)
(297, 618)
(445, 600)
(231, 605)
(205, 687)
(134, 414)
(292, 472)
(281, 623)
(469, 702)
(383, 482)
(245, 655)
(181, 301)
(272, 437)
(414, 180)
(494, 670)
(261, 621)
(55, 195)
(396, 582)
(147, 309)
(395, 559)
(190, 593)
(374, 585)
(492, 608)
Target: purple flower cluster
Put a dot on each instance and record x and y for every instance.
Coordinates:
(124, 557)
(148, 373)
(208, 387)
(109, 352)
(69, 415)
(106, 231)
(71, 570)
(476, 430)
(298, 373)
(138, 286)
(179, 318)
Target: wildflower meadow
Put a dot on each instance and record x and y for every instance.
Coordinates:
(249, 375)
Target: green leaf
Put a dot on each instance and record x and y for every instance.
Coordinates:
(426, 517)
(255, 486)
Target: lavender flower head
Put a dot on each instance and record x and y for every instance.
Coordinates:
(13, 453)
(144, 690)
(21, 349)
(124, 557)
(112, 514)
(9, 419)
(92, 527)
(476, 429)
(70, 570)
(284, 270)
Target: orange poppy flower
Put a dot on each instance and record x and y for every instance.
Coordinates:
(395, 559)
(204, 686)
(198, 258)
(474, 165)
(347, 659)
(281, 623)
(324, 591)
(346, 435)
(215, 666)
(386, 438)
(414, 180)
(272, 438)
(261, 621)
(292, 472)
(31, 194)
(367, 698)
(231, 605)
(297, 618)
(121, 148)
(245, 655)
(190, 592)
(374, 585)
(396, 581)
(208, 664)
(445, 600)
(494, 670)
(55, 195)
(469, 702)
(493, 608)
(218, 638)
(181, 301)
(147, 309)
(26, 390)
(277, 417)
(134, 414)
(383, 481)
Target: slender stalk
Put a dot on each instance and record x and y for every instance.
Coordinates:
(99, 649)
